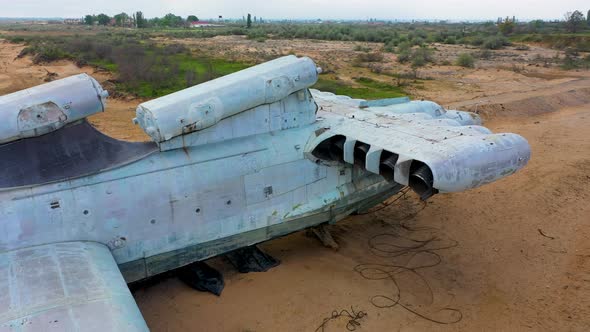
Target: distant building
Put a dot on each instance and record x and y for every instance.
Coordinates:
(203, 24)
(73, 21)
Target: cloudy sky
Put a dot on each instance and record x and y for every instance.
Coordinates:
(280, 9)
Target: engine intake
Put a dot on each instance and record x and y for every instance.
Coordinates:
(387, 165)
(422, 181)
(360, 153)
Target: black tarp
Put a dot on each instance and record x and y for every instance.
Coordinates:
(202, 277)
(251, 259)
(70, 152)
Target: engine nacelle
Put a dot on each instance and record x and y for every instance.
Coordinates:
(45, 108)
(206, 104)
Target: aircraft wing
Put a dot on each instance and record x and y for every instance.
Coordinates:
(415, 143)
(72, 286)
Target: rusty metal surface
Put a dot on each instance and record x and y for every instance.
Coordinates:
(71, 152)
(73, 286)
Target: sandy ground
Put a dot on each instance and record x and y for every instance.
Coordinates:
(513, 255)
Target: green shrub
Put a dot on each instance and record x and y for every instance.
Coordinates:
(421, 56)
(367, 89)
(465, 60)
(418, 57)
(15, 39)
(495, 42)
(257, 34)
(144, 68)
(572, 62)
(390, 46)
(49, 53)
(404, 56)
(450, 40)
(369, 57)
(404, 52)
(477, 41)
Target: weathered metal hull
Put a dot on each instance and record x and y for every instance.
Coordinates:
(175, 207)
(153, 265)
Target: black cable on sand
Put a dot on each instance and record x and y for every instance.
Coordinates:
(352, 316)
(404, 251)
(401, 251)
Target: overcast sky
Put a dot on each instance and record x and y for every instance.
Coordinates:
(289, 9)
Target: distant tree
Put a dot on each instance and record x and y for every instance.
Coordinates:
(155, 22)
(249, 21)
(588, 17)
(507, 26)
(192, 18)
(140, 21)
(171, 20)
(573, 21)
(536, 25)
(89, 20)
(103, 19)
(121, 19)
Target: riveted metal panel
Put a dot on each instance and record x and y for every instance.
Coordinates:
(65, 287)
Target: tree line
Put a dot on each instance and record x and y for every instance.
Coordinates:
(572, 22)
(138, 20)
(575, 21)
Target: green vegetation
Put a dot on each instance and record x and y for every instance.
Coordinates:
(150, 69)
(465, 60)
(367, 88)
(573, 60)
(560, 41)
(574, 21)
(368, 57)
(418, 57)
(256, 34)
(140, 21)
(145, 69)
(487, 35)
(103, 19)
(507, 26)
(495, 42)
